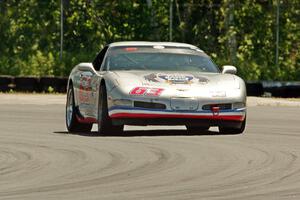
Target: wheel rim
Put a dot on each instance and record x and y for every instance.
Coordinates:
(69, 108)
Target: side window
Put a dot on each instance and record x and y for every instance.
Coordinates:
(105, 65)
(99, 59)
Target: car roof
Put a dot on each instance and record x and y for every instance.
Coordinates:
(144, 43)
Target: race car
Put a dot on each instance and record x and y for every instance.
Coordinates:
(154, 83)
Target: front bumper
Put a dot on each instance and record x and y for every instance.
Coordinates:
(143, 116)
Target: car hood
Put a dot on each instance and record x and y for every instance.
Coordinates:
(171, 79)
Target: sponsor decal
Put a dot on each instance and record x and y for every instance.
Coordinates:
(84, 89)
(201, 79)
(145, 91)
(151, 77)
(175, 78)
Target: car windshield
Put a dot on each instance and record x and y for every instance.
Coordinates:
(159, 58)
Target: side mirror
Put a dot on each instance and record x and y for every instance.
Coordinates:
(229, 69)
(86, 66)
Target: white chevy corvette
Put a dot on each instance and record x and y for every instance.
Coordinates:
(154, 83)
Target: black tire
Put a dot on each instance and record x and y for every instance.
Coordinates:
(196, 129)
(72, 123)
(233, 130)
(105, 126)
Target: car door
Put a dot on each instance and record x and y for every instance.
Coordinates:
(85, 90)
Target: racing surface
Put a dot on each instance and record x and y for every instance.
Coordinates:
(39, 160)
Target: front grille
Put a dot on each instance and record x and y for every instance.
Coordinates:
(225, 106)
(141, 104)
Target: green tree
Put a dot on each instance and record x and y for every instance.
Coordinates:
(235, 32)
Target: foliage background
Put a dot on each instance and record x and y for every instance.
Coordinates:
(242, 33)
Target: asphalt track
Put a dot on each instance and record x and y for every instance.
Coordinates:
(39, 160)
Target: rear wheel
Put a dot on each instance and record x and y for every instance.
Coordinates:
(72, 123)
(233, 130)
(195, 129)
(105, 126)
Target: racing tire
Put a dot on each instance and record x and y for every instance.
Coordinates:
(196, 129)
(105, 126)
(233, 130)
(72, 123)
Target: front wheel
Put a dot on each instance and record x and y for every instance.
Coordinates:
(72, 123)
(233, 130)
(105, 126)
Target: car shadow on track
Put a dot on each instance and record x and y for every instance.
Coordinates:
(143, 133)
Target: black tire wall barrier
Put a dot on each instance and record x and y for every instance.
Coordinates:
(59, 84)
(26, 84)
(285, 91)
(33, 84)
(254, 89)
(5, 83)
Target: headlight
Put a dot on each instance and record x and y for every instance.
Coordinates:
(238, 105)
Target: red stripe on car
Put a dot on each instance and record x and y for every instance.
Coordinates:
(146, 115)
